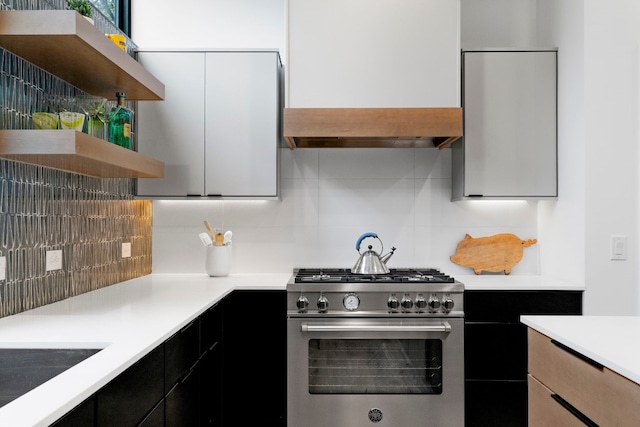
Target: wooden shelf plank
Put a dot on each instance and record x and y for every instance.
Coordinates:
(65, 44)
(77, 152)
(371, 127)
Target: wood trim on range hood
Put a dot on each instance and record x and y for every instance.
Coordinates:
(371, 127)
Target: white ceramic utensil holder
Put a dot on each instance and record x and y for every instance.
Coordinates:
(218, 261)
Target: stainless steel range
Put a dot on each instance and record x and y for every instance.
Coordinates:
(375, 349)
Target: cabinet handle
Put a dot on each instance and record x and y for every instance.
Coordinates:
(183, 330)
(578, 355)
(186, 377)
(569, 407)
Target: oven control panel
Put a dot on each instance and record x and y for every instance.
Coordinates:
(378, 303)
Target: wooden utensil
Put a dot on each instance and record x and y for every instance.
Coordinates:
(210, 230)
(219, 239)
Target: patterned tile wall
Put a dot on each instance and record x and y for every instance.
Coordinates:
(41, 209)
(86, 218)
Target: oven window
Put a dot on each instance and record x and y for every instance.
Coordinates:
(380, 366)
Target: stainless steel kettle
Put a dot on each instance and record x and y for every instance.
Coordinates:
(370, 262)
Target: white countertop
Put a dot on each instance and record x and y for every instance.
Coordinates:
(127, 320)
(501, 282)
(613, 341)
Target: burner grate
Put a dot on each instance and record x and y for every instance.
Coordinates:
(396, 275)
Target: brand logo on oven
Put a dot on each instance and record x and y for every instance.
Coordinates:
(375, 415)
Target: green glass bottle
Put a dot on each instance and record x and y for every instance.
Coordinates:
(120, 123)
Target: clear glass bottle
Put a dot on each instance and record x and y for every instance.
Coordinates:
(120, 123)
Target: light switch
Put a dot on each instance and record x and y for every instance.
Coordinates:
(618, 247)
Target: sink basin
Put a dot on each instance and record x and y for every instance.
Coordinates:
(22, 370)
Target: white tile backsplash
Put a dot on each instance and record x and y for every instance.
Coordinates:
(359, 163)
(432, 163)
(332, 196)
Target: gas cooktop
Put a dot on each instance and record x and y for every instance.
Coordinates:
(396, 275)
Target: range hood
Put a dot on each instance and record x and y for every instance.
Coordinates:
(371, 127)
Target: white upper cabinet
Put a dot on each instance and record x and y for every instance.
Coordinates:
(509, 148)
(219, 129)
(173, 130)
(373, 53)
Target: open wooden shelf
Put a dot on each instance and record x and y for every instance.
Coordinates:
(371, 127)
(65, 44)
(77, 152)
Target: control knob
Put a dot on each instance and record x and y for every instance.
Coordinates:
(393, 303)
(323, 304)
(447, 304)
(302, 303)
(406, 303)
(434, 303)
(421, 303)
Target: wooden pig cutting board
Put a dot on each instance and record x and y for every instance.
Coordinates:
(500, 252)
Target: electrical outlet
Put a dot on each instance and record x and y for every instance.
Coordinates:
(53, 260)
(3, 267)
(126, 250)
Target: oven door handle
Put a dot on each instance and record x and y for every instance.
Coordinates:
(444, 327)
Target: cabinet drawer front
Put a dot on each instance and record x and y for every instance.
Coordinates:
(599, 393)
(181, 353)
(544, 411)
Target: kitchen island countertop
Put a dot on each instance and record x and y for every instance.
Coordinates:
(609, 340)
(126, 320)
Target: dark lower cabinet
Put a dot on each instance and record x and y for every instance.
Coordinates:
(155, 418)
(132, 395)
(255, 359)
(82, 415)
(211, 387)
(181, 352)
(226, 368)
(496, 403)
(496, 351)
(182, 402)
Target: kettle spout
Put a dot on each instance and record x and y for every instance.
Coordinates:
(384, 258)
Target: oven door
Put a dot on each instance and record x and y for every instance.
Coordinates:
(389, 372)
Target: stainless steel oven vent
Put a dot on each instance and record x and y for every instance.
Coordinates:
(375, 415)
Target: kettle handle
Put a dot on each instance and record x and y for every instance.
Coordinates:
(364, 236)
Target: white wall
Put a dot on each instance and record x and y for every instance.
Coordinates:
(598, 149)
(374, 53)
(561, 223)
(329, 197)
(611, 41)
(498, 23)
(209, 24)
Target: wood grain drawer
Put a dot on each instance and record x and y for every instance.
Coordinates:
(602, 395)
(546, 412)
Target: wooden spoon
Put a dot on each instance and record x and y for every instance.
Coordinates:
(210, 230)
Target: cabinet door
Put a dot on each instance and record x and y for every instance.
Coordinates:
(509, 101)
(255, 363)
(127, 399)
(242, 123)
(181, 352)
(155, 418)
(211, 387)
(182, 402)
(82, 415)
(495, 403)
(173, 130)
